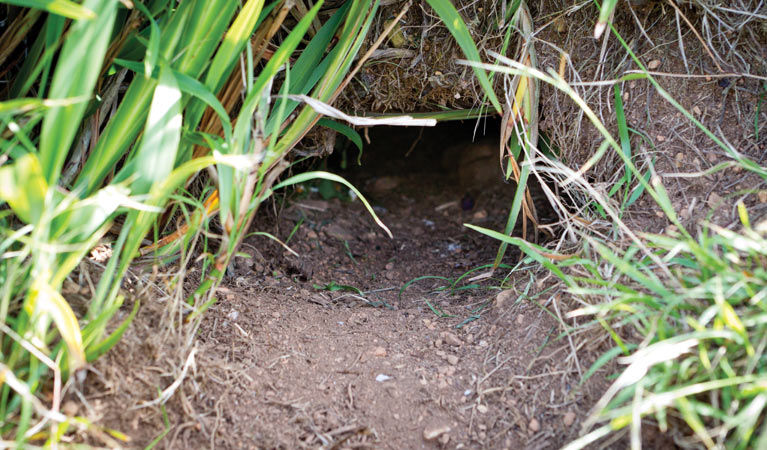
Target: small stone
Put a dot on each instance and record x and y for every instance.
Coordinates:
(654, 64)
(384, 184)
(452, 339)
(69, 408)
(696, 111)
(504, 298)
(337, 231)
(311, 234)
(434, 431)
(762, 196)
(482, 409)
(480, 215)
(534, 426)
(661, 138)
(390, 266)
(569, 418)
(444, 439)
(520, 319)
(452, 360)
(379, 351)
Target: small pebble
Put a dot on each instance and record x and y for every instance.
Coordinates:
(534, 426)
(452, 339)
(452, 359)
(480, 215)
(482, 409)
(569, 418)
(379, 351)
(69, 408)
(654, 64)
(432, 432)
(504, 298)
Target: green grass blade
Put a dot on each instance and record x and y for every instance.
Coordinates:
(345, 130)
(234, 41)
(532, 250)
(162, 134)
(23, 187)
(79, 65)
(45, 301)
(516, 206)
(605, 11)
(65, 8)
(95, 351)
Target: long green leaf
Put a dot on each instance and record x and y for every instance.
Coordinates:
(233, 43)
(79, 65)
(162, 134)
(66, 8)
(23, 187)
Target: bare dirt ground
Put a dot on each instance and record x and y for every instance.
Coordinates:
(322, 351)
(284, 360)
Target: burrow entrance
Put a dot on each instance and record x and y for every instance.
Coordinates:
(424, 184)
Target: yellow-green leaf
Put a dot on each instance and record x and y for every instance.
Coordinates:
(46, 301)
(23, 187)
(66, 8)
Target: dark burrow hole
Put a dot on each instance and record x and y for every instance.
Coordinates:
(452, 170)
(425, 184)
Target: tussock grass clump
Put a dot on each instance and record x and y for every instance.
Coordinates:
(109, 109)
(684, 309)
